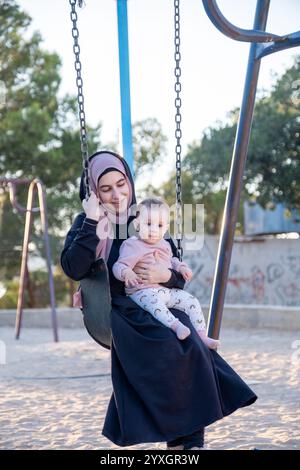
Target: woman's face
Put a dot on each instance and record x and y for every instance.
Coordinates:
(113, 191)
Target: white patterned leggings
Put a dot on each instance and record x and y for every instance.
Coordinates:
(156, 301)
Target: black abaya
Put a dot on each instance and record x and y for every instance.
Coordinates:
(163, 388)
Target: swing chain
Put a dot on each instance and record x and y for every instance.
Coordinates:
(178, 131)
(80, 97)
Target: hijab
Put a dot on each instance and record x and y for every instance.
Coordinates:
(101, 163)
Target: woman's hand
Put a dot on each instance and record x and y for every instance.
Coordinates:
(152, 273)
(92, 207)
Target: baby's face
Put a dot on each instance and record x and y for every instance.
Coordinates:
(153, 223)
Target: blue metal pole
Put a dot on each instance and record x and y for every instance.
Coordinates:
(125, 83)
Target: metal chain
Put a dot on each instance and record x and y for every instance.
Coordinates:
(178, 131)
(80, 97)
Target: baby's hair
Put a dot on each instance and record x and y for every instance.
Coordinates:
(149, 202)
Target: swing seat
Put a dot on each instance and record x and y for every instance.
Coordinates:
(96, 303)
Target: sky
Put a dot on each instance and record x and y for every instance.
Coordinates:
(213, 66)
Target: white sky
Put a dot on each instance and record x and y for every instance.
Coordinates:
(213, 66)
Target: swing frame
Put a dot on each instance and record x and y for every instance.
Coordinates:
(262, 44)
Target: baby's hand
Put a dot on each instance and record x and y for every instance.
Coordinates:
(130, 278)
(186, 273)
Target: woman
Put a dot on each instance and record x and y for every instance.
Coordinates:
(163, 389)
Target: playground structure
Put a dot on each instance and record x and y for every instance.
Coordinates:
(262, 44)
(34, 185)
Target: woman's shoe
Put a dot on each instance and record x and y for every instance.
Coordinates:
(197, 448)
(175, 447)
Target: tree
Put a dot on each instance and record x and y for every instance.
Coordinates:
(149, 145)
(272, 169)
(39, 137)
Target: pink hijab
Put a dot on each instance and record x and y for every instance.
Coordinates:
(98, 165)
(108, 216)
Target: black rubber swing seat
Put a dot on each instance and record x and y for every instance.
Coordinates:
(96, 303)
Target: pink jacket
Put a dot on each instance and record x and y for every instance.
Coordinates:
(134, 250)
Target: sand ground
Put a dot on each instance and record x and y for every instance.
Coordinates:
(45, 403)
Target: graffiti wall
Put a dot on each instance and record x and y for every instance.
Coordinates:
(264, 271)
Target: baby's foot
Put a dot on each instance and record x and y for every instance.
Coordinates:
(210, 342)
(180, 329)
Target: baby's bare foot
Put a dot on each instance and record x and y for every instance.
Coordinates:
(210, 342)
(180, 329)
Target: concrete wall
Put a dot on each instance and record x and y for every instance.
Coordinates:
(263, 271)
(263, 289)
(237, 316)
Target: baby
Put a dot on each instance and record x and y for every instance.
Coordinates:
(151, 223)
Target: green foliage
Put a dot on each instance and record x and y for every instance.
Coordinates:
(39, 137)
(37, 293)
(149, 145)
(272, 169)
